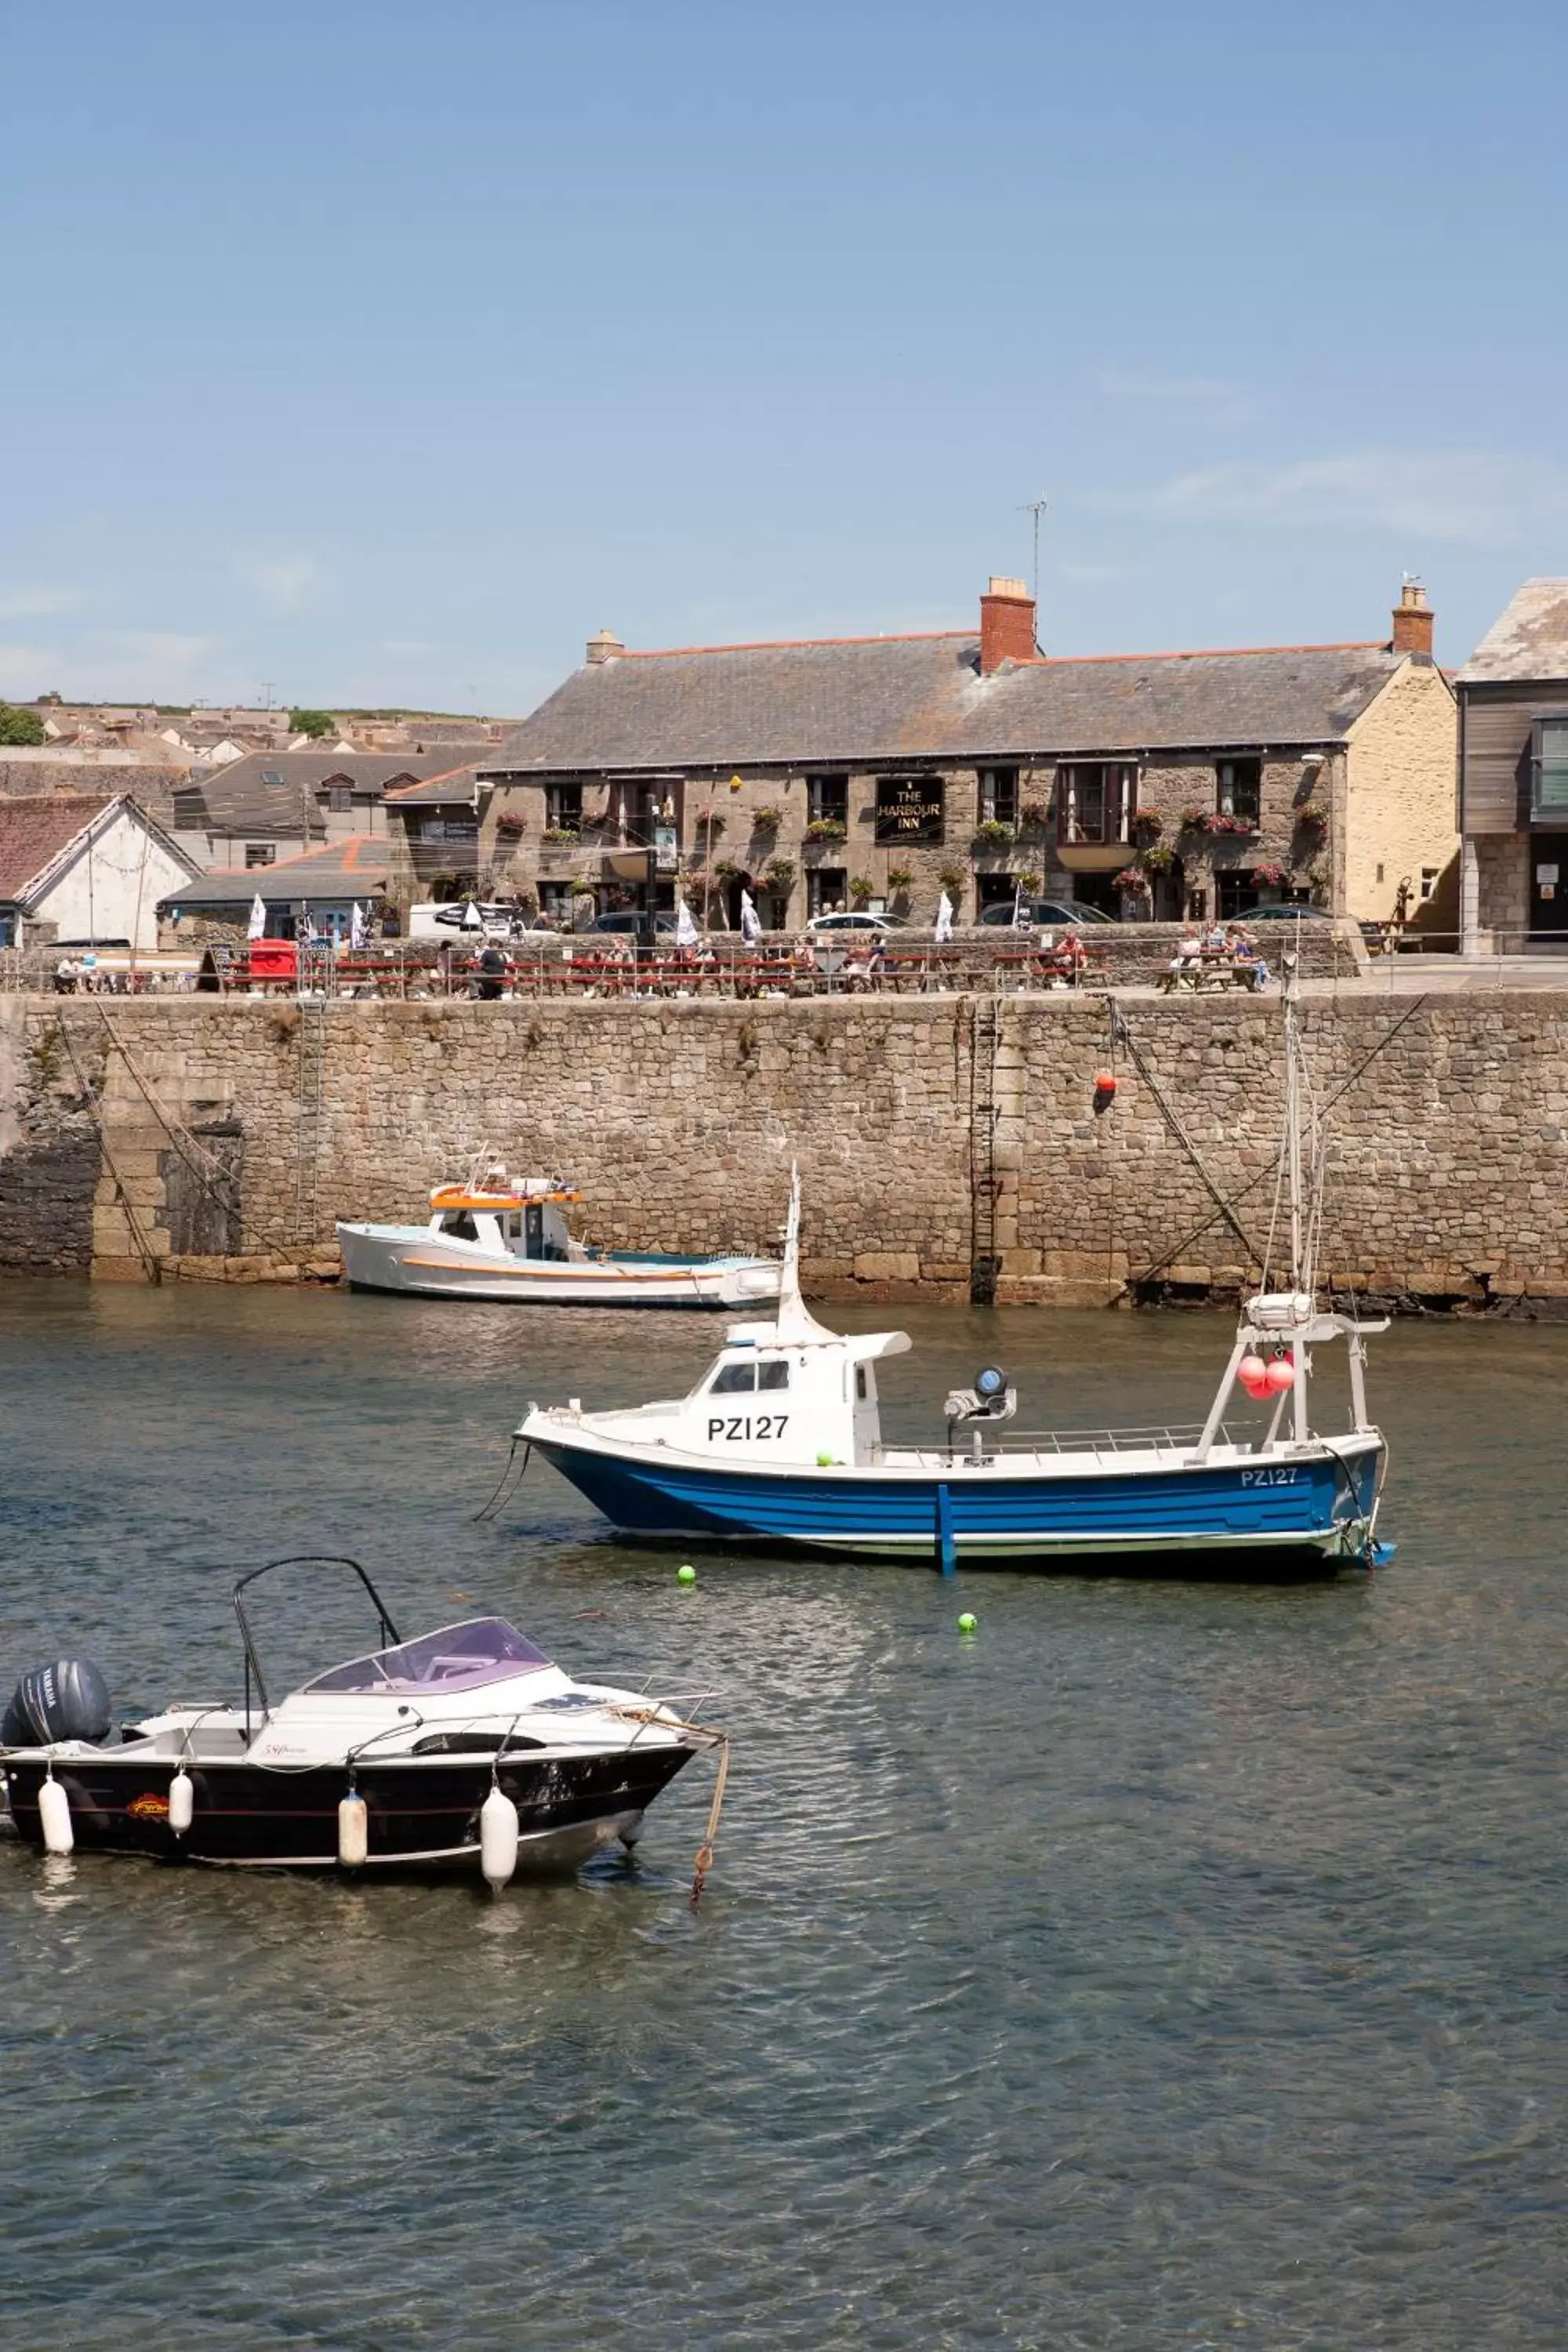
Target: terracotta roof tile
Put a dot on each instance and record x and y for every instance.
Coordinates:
(33, 833)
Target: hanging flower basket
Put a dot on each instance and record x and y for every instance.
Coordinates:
(1158, 861)
(1033, 816)
(780, 873)
(1314, 816)
(1270, 878)
(862, 887)
(1195, 820)
(1133, 881)
(1148, 825)
(510, 828)
(766, 819)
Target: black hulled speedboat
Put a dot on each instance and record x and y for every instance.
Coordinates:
(463, 1748)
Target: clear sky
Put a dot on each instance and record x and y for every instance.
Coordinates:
(383, 349)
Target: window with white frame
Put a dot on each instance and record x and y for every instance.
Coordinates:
(261, 853)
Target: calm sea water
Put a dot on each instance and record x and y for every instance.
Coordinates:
(1172, 1964)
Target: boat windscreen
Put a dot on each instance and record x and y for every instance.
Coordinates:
(457, 1657)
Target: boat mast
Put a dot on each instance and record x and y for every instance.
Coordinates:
(1299, 1270)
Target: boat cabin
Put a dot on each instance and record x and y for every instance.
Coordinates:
(807, 1399)
(522, 1221)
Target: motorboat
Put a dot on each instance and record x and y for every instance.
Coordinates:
(463, 1750)
(496, 1236)
(809, 1468)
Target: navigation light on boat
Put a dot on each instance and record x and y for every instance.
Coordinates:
(989, 1399)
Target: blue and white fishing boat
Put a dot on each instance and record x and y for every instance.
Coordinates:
(780, 1444)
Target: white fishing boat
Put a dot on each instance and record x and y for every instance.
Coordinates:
(780, 1442)
(497, 1236)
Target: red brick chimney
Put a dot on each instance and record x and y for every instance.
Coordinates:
(1413, 622)
(1006, 625)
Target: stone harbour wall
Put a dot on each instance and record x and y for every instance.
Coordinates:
(954, 1145)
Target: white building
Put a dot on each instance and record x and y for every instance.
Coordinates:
(85, 869)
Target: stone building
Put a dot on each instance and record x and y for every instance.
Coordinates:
(882, 770)
(1513, 776)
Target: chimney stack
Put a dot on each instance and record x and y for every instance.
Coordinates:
(1413, 622)
(1006, 625)
(605, 647)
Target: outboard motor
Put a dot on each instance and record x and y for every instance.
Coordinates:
(69, 1700)
(991, 1398)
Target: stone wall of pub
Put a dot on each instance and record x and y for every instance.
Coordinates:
(169, 1131)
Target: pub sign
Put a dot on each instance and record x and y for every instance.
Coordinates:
(909, 808)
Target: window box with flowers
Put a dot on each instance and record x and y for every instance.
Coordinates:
(554, 836)
(1195, 820)
(992, 834)
(1217, 825)
(824, 829)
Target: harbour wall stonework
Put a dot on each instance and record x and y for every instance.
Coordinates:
(955, 1145)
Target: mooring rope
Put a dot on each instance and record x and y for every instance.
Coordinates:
(493, 1505)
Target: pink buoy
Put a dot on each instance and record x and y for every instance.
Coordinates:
(1253, 1374)
(1280, 1375)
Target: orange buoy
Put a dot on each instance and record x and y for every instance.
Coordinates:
(1105, 1081)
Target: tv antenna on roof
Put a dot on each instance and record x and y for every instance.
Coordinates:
(1035, 507)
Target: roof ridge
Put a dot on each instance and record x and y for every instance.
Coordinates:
(788, 644)
(1213, 653)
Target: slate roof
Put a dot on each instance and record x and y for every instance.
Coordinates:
(238, 799)
(843, 701)
(354, 869)
(1529, 640)
(35, 832)
(457, 788)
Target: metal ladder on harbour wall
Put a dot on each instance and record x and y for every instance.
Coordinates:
(311, 1041)
(984, 1036)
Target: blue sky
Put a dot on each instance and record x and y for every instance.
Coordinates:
(383, 349)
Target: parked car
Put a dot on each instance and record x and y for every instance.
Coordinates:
(1059, 911)
(828, 927)
(1285, 915)
(629, 920)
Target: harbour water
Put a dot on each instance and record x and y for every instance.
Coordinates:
(1170, 1964)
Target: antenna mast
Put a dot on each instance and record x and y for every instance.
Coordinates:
(1035, 507)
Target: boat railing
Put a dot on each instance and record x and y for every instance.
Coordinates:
(1177, 1436)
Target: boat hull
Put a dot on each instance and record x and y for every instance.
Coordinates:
(423, 1813)
(420, 1265)
(1316, 1508)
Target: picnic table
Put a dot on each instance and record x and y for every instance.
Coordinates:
(1212, 968)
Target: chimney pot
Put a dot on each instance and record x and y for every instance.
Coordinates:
(1413, 622)
(1006, 624)
(605, 647)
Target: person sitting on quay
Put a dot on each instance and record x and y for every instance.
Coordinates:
(1244, 953)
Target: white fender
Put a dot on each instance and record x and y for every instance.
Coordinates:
(498, 1839)
(182, 1801)
(353, 1831)
(55, 1813)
